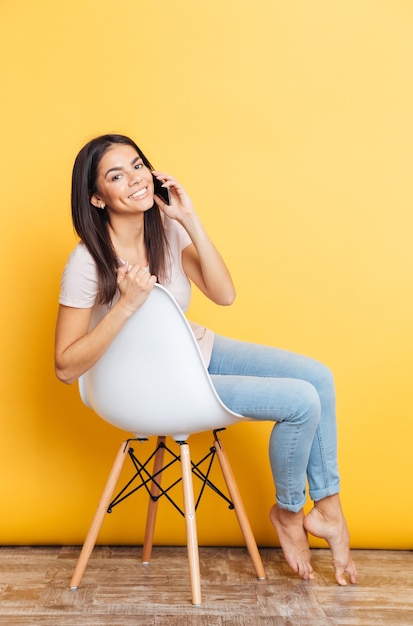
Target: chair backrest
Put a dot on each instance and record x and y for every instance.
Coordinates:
(152, 379)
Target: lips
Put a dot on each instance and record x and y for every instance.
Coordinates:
(139, 193)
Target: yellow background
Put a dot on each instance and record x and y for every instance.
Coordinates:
(290, 123)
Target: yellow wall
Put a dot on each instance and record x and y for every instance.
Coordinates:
(290, 123)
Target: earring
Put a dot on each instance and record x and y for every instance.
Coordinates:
(103, 207)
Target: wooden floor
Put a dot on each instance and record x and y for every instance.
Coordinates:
(117, 590)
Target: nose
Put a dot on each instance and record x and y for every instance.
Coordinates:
(134, 177)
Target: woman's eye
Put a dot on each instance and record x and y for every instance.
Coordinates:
(138, 166)
(117, 177)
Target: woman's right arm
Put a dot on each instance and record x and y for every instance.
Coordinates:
(77, 348)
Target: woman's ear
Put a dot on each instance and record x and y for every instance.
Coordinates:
(97, 202)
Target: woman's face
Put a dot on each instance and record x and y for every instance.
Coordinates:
(124, 183)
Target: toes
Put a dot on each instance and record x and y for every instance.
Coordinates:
(353, 576)
(343, 574)
(341, 578)
(305, 572)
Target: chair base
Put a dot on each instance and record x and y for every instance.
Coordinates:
(155, 492)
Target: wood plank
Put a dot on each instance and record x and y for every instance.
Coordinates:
(118, 590)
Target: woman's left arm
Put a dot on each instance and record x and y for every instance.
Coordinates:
(201, 261)
(204, 265)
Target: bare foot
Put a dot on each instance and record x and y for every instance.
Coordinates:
(326, 520)
(293, 540)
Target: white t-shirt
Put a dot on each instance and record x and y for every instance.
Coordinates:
(79, 284)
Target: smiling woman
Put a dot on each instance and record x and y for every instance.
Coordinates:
(124, 231)
(107, 173)
(129, 240)
(123, 177)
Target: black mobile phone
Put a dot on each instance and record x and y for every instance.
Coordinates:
(161, 192)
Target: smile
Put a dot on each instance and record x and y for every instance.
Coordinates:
(139, 193)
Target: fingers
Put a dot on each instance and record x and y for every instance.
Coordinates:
(136, 276)
(168, 181)
(123, 269)
(180, 205)
(162, 176)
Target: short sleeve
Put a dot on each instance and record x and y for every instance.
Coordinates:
(79, 283)
(176, 234)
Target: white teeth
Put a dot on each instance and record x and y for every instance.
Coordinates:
(138, 193)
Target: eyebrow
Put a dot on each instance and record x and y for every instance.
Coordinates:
(119, 168)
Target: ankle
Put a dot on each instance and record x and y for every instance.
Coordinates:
(329, 508)
(286, 517)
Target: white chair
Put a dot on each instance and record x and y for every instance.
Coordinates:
(152, 381)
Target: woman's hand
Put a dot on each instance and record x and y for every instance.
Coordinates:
(201, 261)
(77, 348)
(135, 284)
(181, 206)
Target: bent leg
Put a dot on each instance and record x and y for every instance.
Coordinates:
(326, 520)
(239, 358)
(295, 407)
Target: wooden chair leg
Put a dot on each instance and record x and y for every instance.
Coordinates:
(190, 522)
(239, 509)
(153, 504)
(99, 515)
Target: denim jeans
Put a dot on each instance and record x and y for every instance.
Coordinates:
(295, 392)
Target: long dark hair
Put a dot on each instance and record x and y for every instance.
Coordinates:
(91, 224)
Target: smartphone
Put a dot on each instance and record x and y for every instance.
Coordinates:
(161, 192)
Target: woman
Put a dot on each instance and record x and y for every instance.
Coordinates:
(129, 240)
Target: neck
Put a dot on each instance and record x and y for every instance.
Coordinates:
(128, 240)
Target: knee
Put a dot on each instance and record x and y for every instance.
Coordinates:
(323, 380)
(327, 376)
(310, 403)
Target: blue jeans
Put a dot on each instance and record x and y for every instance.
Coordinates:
(295, 392)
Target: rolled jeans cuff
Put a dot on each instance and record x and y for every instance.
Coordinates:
(319, 494)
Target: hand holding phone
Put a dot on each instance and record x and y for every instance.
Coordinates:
(161, 192)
